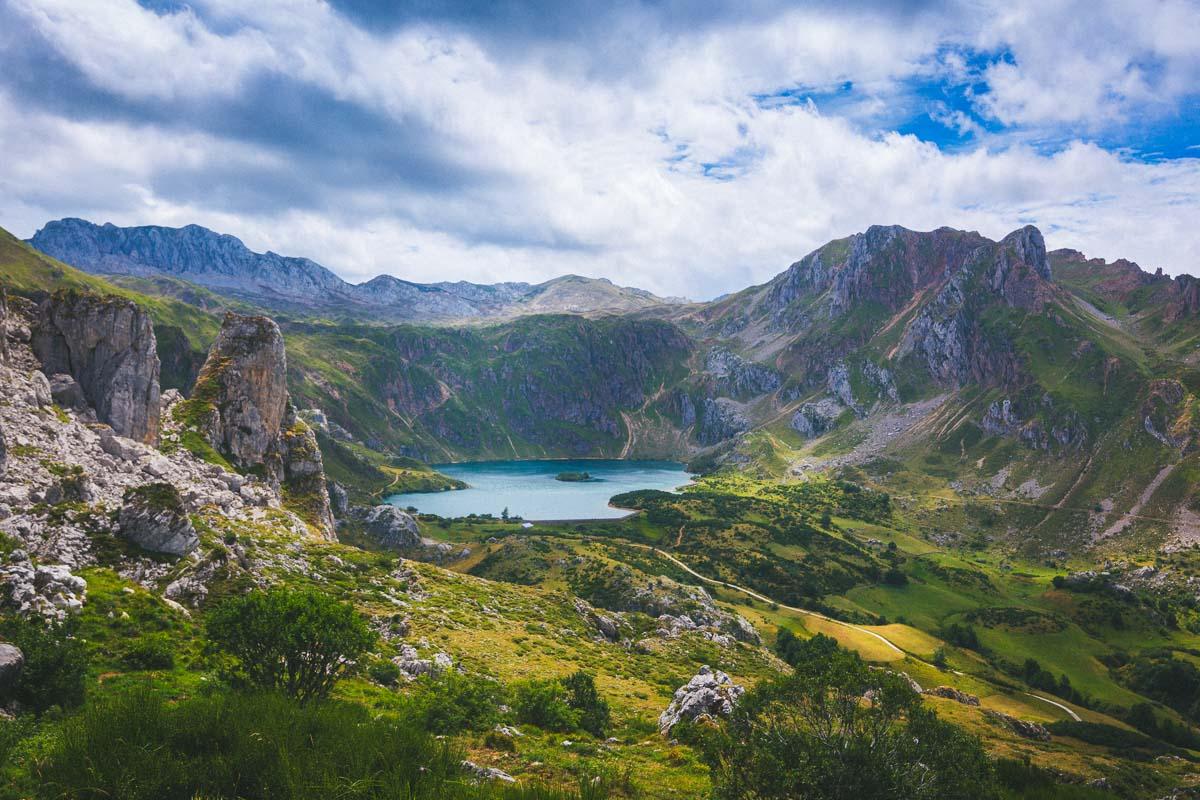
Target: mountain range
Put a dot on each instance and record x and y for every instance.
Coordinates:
(221, 262)
(995, 366)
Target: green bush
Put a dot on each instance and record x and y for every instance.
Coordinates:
(452, 703)
(56, 663)
(299, 641)
(155, 651)
(383, 672)
(582, 696)
(544, 703)
(138, 746)
(810, 735)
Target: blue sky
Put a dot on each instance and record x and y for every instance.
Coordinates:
(689, 148)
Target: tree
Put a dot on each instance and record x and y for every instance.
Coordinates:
(297, 641)
(504, 514)
(582, 695)
(838, 730)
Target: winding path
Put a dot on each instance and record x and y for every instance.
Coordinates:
(764, 598)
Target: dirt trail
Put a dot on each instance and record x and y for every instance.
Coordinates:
(1074, 716)
(763, 598)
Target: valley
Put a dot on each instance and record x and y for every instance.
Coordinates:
(970, 462)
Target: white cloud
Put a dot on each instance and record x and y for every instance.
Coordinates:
(585, 159)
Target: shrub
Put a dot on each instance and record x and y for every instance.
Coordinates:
(138, 746)
(544, 703)
(56, 664)
(383, 672)
(810, 735)
(594, 714)
(452, 703)
(297, 641)
(154, 651)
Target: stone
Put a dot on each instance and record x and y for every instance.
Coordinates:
(123, 448)
(957, 695)
(709, 694)
(40, 387)
(67, 392)
(339, 501)
(1022, 728)
(107, 345)
(12, 660)
(393, 528)
(487, 773)
(3, 453)
(154, 518)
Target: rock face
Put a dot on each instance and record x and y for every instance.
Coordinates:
(107, 345)
(3, 453)
(3, 326)
(155, 519)
(240, 405)
(244, 381)
(735, 376)
(393, 528)
(707, 695)
(720, 419)
(814, 419)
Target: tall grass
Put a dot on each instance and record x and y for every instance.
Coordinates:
(138, 746)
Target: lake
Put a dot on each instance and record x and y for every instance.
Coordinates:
(529, 488)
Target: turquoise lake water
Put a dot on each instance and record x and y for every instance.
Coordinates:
(529, 489)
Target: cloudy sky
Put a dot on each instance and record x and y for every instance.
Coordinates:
(687, 147)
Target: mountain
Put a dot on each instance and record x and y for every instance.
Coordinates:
(221, 262)
(971, 462)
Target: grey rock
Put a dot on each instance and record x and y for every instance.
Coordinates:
(40, 387)
(339, 501)
(707, 695)
(154, 518)
(123, 448)
(950, 693)
(721, 419)
(735, 376)
(107, 344)
(1022, 728)
(3, 325)
(487, 773)
(67, 392)
(3, 453)
(12, 660)
(393, 528)
(250, 419)
(814, 419)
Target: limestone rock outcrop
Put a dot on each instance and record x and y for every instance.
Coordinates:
(107, 345)
(241, 406)
(709, 694)
(12, 661)
(392, 528)
(154, 518)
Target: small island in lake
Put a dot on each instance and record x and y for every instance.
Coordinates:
(574, 477)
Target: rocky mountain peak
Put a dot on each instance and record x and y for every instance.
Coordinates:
(241, 406)
(1029, 246)
(107, 345)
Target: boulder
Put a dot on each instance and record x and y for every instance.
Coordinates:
(123, 448)
(154, 518)
(393, 528)
(107, 345)
(1022, 728)
(39, 387)
(12, 660)
(67, 392)
(950, 693)
(709, 694)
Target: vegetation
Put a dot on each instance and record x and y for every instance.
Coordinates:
(837, 729)
(298, 641)
(55, 668)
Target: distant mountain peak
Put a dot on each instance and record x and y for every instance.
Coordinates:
(221, 262)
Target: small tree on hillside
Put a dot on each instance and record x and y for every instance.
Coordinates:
(297, 641)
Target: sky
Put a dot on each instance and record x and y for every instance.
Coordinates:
(689, 148)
